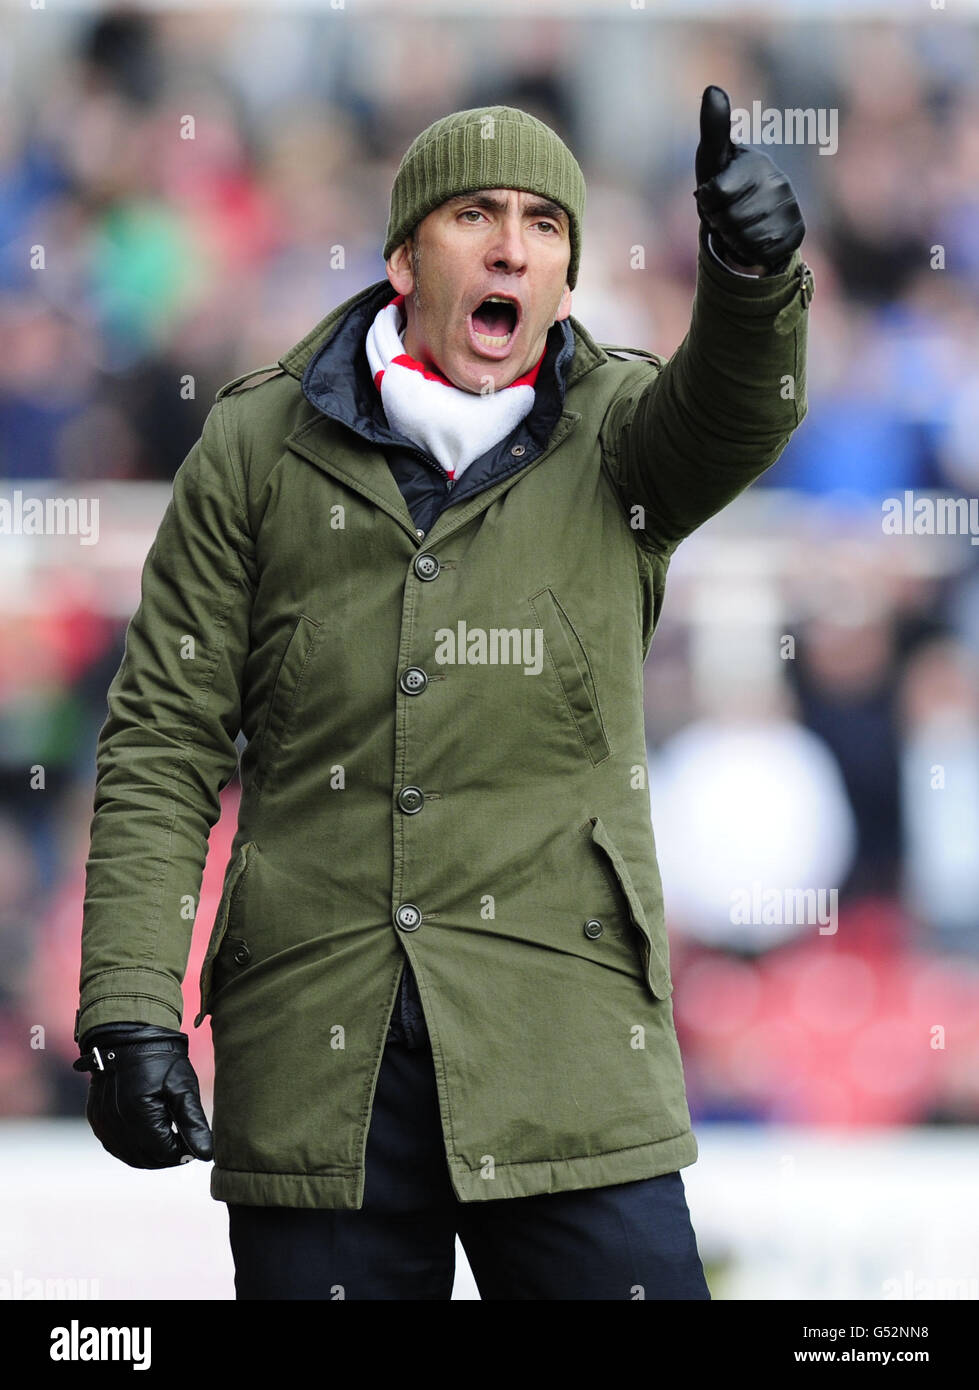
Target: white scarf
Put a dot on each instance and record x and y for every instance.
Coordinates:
(453, 425)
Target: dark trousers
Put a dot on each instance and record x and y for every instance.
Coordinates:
(629, 1241)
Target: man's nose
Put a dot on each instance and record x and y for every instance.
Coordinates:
(509, 246)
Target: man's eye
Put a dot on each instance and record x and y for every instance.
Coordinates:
(475, 212)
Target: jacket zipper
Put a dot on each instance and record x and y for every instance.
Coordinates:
(436, 467)
(805, 283)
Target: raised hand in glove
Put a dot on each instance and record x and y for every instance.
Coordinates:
(743, 198)
(143, 1084)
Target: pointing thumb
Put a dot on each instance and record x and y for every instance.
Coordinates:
(715, 149)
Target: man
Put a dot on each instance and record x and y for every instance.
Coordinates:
(419, 567)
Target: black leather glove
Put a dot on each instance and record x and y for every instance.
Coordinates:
(743, 198)
(143, 1086)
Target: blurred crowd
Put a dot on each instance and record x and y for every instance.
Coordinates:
(184, 195)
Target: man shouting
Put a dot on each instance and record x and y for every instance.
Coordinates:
(418, 562)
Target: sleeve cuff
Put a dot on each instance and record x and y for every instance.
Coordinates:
(780, 295)
(131, 993)
(744, 274)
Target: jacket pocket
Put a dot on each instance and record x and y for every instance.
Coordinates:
(283, 697)
(654, 958)
(573, 671)
(232, 886)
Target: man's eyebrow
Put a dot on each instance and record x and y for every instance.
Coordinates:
(539, 207)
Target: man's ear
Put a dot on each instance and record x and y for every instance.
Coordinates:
(564, 308)
(399, 270)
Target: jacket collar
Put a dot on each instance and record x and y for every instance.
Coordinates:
(332, 366)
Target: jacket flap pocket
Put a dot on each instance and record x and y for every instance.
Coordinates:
(232, 883)
(289, 674)
(573, 670)
(283, 695)
(655, 958)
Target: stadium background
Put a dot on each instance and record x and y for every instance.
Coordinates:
(836, 1125)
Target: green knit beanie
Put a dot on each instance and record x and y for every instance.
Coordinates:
(485, 147)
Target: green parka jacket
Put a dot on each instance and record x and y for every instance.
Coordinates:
(445, 759)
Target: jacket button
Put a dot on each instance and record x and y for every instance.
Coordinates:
(242, 955)
(518, 451)
(408, 917)
(413, 681)
(410, 799)
(593, 927)
(427, 566)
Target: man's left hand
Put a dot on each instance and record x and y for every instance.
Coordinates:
(744, 199)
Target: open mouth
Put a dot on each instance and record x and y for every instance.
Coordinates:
(494, 320)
